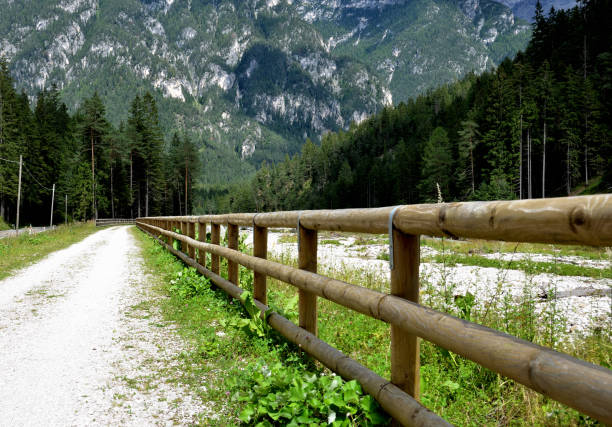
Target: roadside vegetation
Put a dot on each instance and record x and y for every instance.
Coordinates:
(235, 357)
(4, 225)
(20, 251)
(245, 370)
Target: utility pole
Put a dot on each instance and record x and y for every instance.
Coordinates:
(66, 213)
(18, 194)
(52, 200)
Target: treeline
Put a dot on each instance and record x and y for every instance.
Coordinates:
(101, 170)
(536, 126)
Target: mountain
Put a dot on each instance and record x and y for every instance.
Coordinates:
(525, 9)
(253, 78)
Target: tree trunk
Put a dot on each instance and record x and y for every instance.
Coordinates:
(567, 182)
(93, 178)
(586, 115)
(131, 188)
(521, 145)
(112, 194)
(472, 162)
(528, 164)
(147, 197)
(544, 159)
(186, 171)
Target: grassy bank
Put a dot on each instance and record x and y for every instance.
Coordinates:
(20, 251)
(244, 372)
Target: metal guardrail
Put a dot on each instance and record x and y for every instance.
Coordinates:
(583, 220)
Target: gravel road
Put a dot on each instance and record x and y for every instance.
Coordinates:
(81, 342)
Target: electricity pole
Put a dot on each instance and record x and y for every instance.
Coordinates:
(52, 200)
(18, 195)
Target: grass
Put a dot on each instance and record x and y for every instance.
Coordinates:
(20, 251)
(461, 391)
(222, 356)
(4, 225)
(526, 265)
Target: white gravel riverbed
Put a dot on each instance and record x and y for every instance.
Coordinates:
(81, 344)
(490, 286)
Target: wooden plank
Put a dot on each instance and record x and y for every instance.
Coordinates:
(405, 361)
(307, 260)
(215, 239)
(202, 238)
(232, 243)
(260, 250)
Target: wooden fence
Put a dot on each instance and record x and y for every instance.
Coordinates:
(585, 220)
(104, 222)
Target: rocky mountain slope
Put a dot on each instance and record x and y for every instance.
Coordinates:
(254, 78)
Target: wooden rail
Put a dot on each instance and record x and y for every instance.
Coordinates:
(103, 222)
(581, 220)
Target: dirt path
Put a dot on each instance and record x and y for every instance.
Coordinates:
(81, 343)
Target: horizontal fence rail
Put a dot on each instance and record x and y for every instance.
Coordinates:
(582, 220)
(103, 222)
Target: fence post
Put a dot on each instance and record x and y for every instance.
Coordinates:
(191, 228)
(215, 239)
(184, 246)
(172, 228)
(232, 243)
(405, 360)
(202, 238)
(307, 260)
(260, 249)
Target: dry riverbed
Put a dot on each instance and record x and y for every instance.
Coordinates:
(82, 343)
(581, 304)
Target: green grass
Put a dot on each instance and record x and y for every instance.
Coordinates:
(288, 238)
(330, 242)
(469, 247)
(4, 225)
(220, 353)
(461, 391)
(20, 251)
(526, 265)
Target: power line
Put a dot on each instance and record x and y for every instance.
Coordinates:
(34, 178)
(10, 161)
(30, 173)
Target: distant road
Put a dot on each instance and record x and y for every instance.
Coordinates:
(31, 230)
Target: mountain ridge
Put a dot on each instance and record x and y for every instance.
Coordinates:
(257, 77)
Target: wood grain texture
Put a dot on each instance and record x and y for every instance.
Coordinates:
(260, 250)
(202, 238)
(215, 239)
(191, 230)
(585, 220)
(232, 243)
(405, 359)
(307, 260)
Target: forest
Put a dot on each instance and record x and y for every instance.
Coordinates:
(536, 126)
(91, 167)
